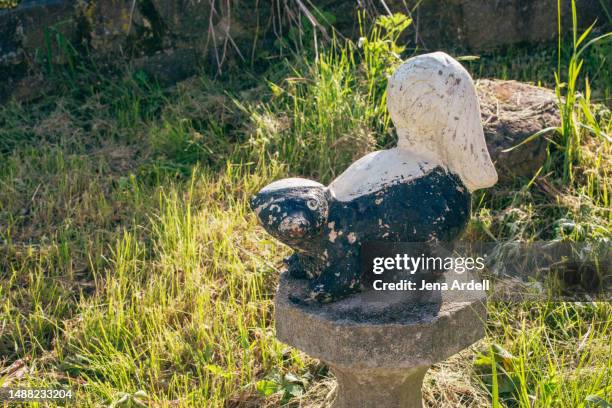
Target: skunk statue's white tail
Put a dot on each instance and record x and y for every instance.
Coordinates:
(433, 104)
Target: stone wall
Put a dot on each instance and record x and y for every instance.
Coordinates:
(479, 25)
(172, 38)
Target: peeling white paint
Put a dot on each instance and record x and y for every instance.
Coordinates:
(332, 232)
(262, 206)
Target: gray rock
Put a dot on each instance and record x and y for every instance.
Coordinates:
(28, 35)
(108, 24)
(169, 67)
(31, 26)
(379, 347)
(511, 112)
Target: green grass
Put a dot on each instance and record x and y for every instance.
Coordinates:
(131, 268)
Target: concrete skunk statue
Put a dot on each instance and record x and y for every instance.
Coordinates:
(418, 191)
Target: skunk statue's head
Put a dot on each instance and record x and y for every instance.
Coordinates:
(293, 210)
(433, 104)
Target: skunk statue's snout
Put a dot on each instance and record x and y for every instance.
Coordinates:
(295, 225)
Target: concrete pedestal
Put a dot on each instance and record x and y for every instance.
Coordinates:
(379, 345)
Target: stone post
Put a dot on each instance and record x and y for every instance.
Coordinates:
(379, 349)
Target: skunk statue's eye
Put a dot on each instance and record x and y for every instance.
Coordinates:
(312, 204)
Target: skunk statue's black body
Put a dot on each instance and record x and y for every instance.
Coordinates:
(327, 234)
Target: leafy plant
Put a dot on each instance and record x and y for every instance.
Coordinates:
(290, 385)
(382, 53)
(126, 400)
